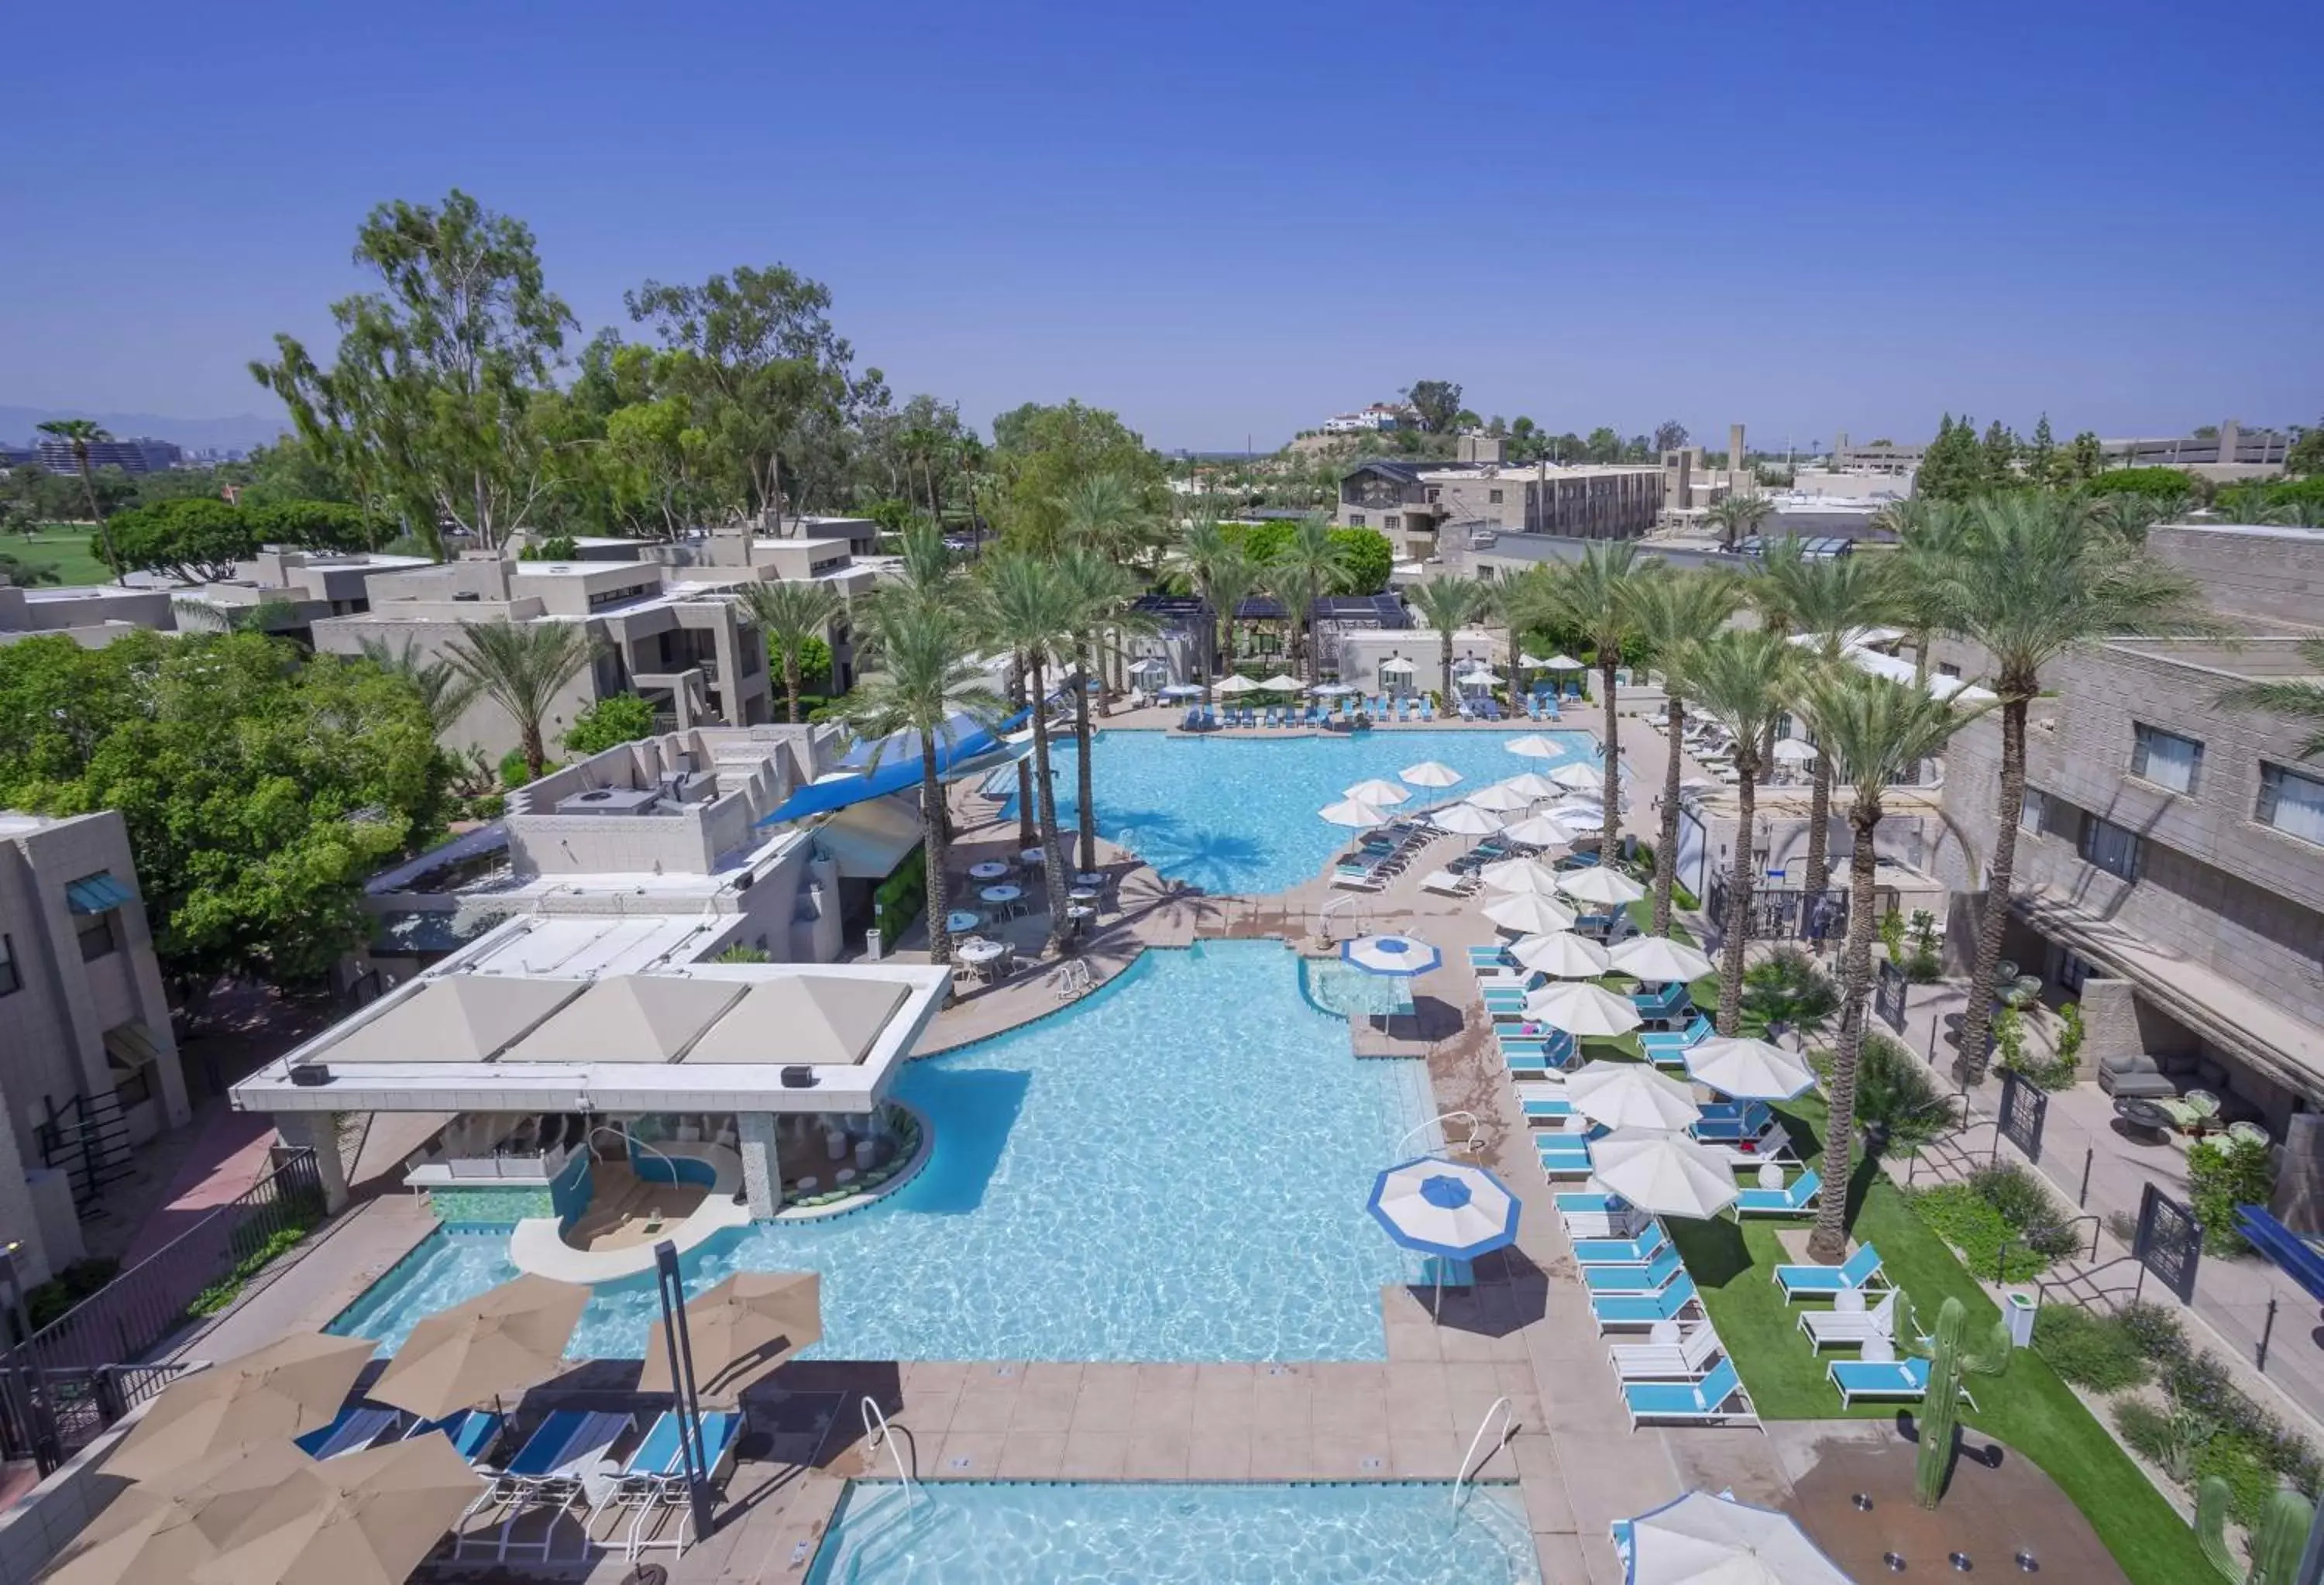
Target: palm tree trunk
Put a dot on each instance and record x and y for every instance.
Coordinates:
(1084, 789)
(536, 755)
(1206, 653)
(1828, 1242)
(89, 493)
(1819, 817)
(1666, 839)
(1445, 657)
(1610, 842)
(792, 682)
(1053, 848)
(1739, 906)
(933, 834)
(2000, 871)
(1025, 805)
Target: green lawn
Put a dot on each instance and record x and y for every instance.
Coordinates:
(61, 546)
(2029, 1408)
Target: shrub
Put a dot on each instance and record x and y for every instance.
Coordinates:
(2166, 484)
(60, 1292)
(1957, 1215)
(2071, 1037)
(611, 720)
(2148, 1431)
(1899, 1103)
(554, 547)
(2094, 1351)
(2024, 1204)
(2243, 1467)
(515, 773)
(1892, 936)
(902, 896)
(1926, 965)
(1787, 990)
(2155, 1330)
(2223, 1174)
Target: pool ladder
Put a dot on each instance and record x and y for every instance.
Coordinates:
(874, 1440)
(1509, 1415)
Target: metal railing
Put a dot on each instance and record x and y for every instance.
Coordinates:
(1469, 1462)
(885, 1436)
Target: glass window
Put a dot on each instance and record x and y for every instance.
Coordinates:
(2165, 759)
(1355, 520)
(2291, 802)
(2110, 847)
(1493, 497)
(10, 980)
(1392, 522)
(2033, 814)
(95, 932)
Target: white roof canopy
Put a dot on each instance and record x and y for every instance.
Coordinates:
(631, 1017)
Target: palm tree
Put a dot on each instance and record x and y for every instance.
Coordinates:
(1213, 564)
(2029, 578)
(1873, 730)
(924, 679)
(1232, 579)
(81, 432)
(2301, 698)
(1447, 606)
(1671, 613)
(1102, 589)
(1737, 517)
(444, 691)
(1523, 601)
(523, 666)
(1026, 602)
(1592, 596)
(1923, 529)
(788, 614)
(1310, 566)
(1102, 515)
(1739, 678)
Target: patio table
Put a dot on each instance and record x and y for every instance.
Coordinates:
(1035, 855)
(1090, 878)
(961, 919)
(1082, 894)
(990, 869)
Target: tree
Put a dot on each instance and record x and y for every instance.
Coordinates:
(1446, 605)
(1670, 614)
(1102, 590)
(1043, 452)
(442, 691)
(1027, 604)
(1670, 435)
(1739, 679)
(658, 463)
(1603, 445)
(523, 666)
(1953, 467)
(2030, 578)
(608, 724)
(429, 405)
(1220, 569)
(82, 433)
(2000, 453)
(2301, 698)
(790, 616)
(2306, 456)
(1737, 517)
(1310, 565)
(2085, 458)
(1438, 404)
(1594, 596)
(27, 575)
(1872, 732)
(196, 541)
(2041, 462)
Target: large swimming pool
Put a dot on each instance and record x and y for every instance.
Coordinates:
(1238, 814)
(1172, 1169)
(1005, 1533)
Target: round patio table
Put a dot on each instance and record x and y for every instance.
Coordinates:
(961, 919)
(1035, 855)
(990, 869)
(998, 895)
(1079, 911)
(1082, 894)
(2142, 1117)
(977, 955)
(1089, 877)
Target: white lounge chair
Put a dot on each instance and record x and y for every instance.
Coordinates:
(1687, 1360)
(1849, 1321)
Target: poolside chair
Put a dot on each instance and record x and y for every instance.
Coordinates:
(544, 1475)
(1684, 1360)
(1427, 707)
(1588, 1215)
(1546, 1109)
(1652, 1277)
(1493, 959)
(1858, 1271)
(1796, 1200)
(1637, 1251)
(1850, 1323)
(1660, 1007)
(472, 1431)
(1210, 718)
(1751, 1123)
(1752, 1114)
(1677, 1302)
(1743, 1154)
(1193, 722)
(357, 1427)
(653, 1482)
(1888, 1380)
(1718, 1397)
(1564, 1159)
(1669, 1051)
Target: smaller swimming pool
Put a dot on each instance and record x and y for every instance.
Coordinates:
(1025, 1533)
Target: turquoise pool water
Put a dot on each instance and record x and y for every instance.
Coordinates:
(1172, 1169)
(1238, 814)
(1007, 1533)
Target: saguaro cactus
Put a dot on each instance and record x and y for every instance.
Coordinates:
(1949, 1363)
(2276, 1544)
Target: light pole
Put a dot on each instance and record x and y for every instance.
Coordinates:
(671, 1286)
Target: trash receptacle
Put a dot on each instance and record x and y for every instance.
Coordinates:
(2020, 1308)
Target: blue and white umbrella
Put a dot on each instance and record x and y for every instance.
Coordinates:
(1391, 955)
(1447, 1209)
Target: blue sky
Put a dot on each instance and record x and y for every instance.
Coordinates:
(1230, 220)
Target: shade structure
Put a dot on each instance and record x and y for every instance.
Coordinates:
(1446, 1208)
(1429, 773)
(1598, 884)
(1631, 1096)
(1147, 665)
(1356, 813)
(1377, 791)
(1749, 1069)
(505, 1340)
(1706, 1540)
(1539, 830)
(1498, 799)
(158, 1531)
(740, 1330)
(1533, 784)
(1283, 682)
(1791, 751)
(1581, 1008)
(1663, 1173)
(273, 1394)
(1390, 955)
(1657, 959)
(1576, 776)
(367, 1518)
(1533, 746)
(1466, 820)
(1237, 684)
(1529, 913)
(1520, 876)
(629, 1017)
(830, 1020)
(1561, 955)
(1563, 662)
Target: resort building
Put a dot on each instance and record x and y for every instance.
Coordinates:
(88, 1069)
(1379, 416)
(1414, 502)
(142, 455)
(284, 589)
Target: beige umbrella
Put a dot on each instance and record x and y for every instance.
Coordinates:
(367, 1518)
(1631, 1096)
(1237, 684)
(503, 1340)
(740, 1330)
(1466, 820)
(1430, 773)
(1356, 813)
(1657, 961)
(158, 1531)
(1532, 783)
(273, 1394)
(1579, 1008)
(1663, 1173)
(1539, 830)
(1573, 775)
(1533, 746)
(1561, 955)
(1283, 682)
(1377, 791)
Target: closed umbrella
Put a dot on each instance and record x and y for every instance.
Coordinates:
(1663, 1173)
(273, 1394)
(1539, 830)
(1631, 1096)
(1520, 875)
(1749, 1069)
(1377, 791)
(1447, 1209)
(158, 1531)
(1529, 912)
(1579, 1008)
(1390, 955)
(740, 1330)
(367, 1518)
(1429, 773)
(1561, 955)
(1533, 746)
(504, 1340)
(1533, 784)
(1498, 799)
(1466, 820)
(1574, 776)
(1706, 1540)
(1598, 884)
(1356, 813)
(1237, 684)
(1657, 959)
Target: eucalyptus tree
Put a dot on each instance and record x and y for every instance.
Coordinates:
(1445, 605)
(80, 434)
(1672, 613)
(789, 614)
(1026, 603)
(1309, 565)
(1594, 597)
(523, 666)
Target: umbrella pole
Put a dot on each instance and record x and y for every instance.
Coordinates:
(672, 1289)
(1436, 1309)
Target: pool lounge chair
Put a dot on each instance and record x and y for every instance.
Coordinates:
(546, 1475)
(1798, 1199)
(653, 1483)
(1591, 1215)
(1669, 1051)
(1857, 1272)
(1561, 1158)
(1885, 1381)
(1687, 1360)
(1647, 1245)
(1547, 1109)
(1493, 958)
(1652, 1277)
(1660, 1007)
(1853, 1326)
(472, 1431)
(1750, 1154)
(357, 1427)
(1427, 708)
(1193, 722)
(1674, 1303)
(1717, 1398)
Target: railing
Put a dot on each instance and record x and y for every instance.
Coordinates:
(885, 1436)
(1509, 1419)
(1476, 1130)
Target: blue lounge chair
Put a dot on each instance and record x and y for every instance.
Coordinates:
(355, 1427)
(1495, 957)
(546, 1474)
(1858, 1272)
(653, 1478)
(472, 1431)
(1751, 1114)
(1193, 722)
(1661, 1006)
(1427, 708)
(1636, 1251)
(1718, 1397)
(1210, 718)
(1796, 1200)
(1668, 1051)
(1652, 1277)
(1563, 1158)
(1906, 1380)
(1589, 1201)
(1620, 1310)
(1547, 1110)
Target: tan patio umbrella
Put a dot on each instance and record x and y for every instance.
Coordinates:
(273, 1394)
(368, 1519)
(740, 1330)
(158, 1531)
(504, 1340)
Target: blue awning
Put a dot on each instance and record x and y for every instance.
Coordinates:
(2301, 1260)
(97, 894)
(961, 744)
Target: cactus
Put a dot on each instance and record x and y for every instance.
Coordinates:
(1949, 1362)
(2276, 1544)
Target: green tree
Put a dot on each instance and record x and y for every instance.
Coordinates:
(789, 615)
(196, 541)
(1670, 614)
(1437, 402)
(2306, 456)
(523, 666)
(1595, 596)
(2085, 458)
(1216, 564)
(1043, 452)
(2301, 698)
(1445, 605)
(443, 692)
(611, 721)
(1310, 565)
(2000, 452)
(1371, 559)
(1952, 468)
(82, 433)
(1029, 604)
(2041, 462)
(1737, 517)
(25, 574)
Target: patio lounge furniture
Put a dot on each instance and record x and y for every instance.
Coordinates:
(1860, 1271)
(1796, 1200)
(1588, 1214)
(1636, 1251)
(357, 1427)
(1670, 1050)
(1849, 1321)
(1684, 1360)
(472, 1432)
(1883, 1380)
(546, 1474)
(1660, 1007)
(1547, 1109)
(653, 1479)
(1650, 1278)
(1563, 1155)
(2195, 1112)
(1718, 1397)
(1641, 1309)
(2135, 1075)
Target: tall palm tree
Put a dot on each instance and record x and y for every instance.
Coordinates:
(1102, 515)
(1310, 565)
(1447, 606)
(1523, 600)
(1740, 678)
(788, 614)
(1737, 517)
(523, 666)
(1873, 730)
(2029, 578)
(924, 679)
(1592, 596)
(445, 692)
(1205, 552)
(82, 433)
(1102, 589)
(1923, 530)
(1232, 579)
(1026, 603)
(1672, 613)
(2301, 698)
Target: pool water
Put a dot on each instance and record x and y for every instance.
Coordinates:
(1173, 1169)
(1240, 815)
(1007, 1533)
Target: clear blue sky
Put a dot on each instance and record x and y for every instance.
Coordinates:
(1232, 219)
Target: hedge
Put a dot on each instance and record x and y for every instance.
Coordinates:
(902, 896)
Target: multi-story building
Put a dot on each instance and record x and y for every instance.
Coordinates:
(2225, 454)
(88, 1068)
(1379, 416)
(1876, 457)
(1412, 503)
(285, 590)
(141, 456)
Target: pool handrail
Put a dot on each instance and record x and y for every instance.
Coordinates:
(1476, 1129)
(869, 1412)
(634, 1143)
(1500, 1406)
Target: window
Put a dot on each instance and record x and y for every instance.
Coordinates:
(1355, 520)
(2033, 814)
(2165, 759)
(2110, 847)
(1392, 522)
(2288, 800)
(1947, 668)
(1493, 497)
(97, 937)
(10, 980)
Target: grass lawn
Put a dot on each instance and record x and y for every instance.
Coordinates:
(2029, 1408)
(62, 547)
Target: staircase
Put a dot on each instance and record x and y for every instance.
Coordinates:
(88, 1138)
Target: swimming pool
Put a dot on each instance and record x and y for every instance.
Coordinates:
(1238, 814)
(1172, 1169)
(1051, 1533)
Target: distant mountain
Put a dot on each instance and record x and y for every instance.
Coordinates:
(243, 430)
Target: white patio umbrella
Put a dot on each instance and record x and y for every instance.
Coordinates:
(1560, 953)
(1498, 799)
(1532, 746)
(1332, 690)
(1147, 666)
(1429, 773)
(1579, 1008)
(1396, 664)
(1747, 1069)
(1283, 682)
(1466, 820)
(1539, 830)
(1579, 819)
(1631, 1096)
(1528, 914)
(1663, 1173)
(1520, 875)
(1598, 884)
(1794, 751)
(1377, 791)
(1563, 662)
(1658, 961)
(1355, 813)
(1397, 956)
(1706, 1540)
(1574, 776)
(1532, 662)
(1237, 684)
(1533, 784)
